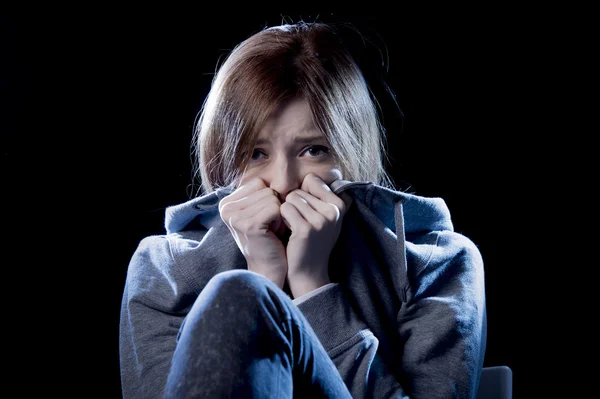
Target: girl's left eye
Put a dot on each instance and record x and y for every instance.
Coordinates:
(313, 150)
(318, 148)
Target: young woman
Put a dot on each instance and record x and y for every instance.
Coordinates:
(300, 271)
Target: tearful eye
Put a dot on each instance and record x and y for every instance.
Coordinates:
(254, 154)
(316, 148)
(314, 151)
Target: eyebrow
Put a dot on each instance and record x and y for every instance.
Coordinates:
(302, 140)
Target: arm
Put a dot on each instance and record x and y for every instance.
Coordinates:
(443, 324)
(350, 343)
(442, 327)
(154, 305)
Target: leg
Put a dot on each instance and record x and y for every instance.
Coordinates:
(245, 338)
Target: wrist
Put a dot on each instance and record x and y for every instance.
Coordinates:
(277, 277)
(301, 285)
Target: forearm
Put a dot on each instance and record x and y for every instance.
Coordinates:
(301, 284)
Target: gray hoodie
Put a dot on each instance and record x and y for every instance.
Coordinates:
(404, 315)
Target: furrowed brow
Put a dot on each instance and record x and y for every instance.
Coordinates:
(300, 140)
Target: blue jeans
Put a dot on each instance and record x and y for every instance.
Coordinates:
(245, 338)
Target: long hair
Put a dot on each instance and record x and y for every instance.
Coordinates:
(305, 60)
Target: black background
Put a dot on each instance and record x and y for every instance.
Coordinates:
(98, 107)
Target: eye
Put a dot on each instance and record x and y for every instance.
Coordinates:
(314, 149)
(256, 151)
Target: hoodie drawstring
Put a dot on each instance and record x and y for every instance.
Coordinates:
(399, 221)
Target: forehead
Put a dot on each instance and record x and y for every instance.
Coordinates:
(291, 119)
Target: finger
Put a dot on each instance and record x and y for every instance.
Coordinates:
(229, 205)
(236, 210)
(324, 210)
(253, 218)
(261, 221)
(248, 188)
(313, 185)
(299, 199)
(294, 219)
(248, 226)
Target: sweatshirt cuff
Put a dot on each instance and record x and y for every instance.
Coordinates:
(312, 293)
(331, 317)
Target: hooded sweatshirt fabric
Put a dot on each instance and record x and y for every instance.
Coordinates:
(403, 316)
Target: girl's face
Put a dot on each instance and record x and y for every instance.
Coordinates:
(290, 146)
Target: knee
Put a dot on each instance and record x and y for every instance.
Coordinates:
(238, 298)
(238, 285)
(228, 295)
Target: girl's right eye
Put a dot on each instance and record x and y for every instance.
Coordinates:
(254, 153)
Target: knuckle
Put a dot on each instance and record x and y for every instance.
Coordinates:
(223, 210)
(244, 225)
(302, 231)
(331, 213)
(258, 182)
(320, 224)
(232, 221)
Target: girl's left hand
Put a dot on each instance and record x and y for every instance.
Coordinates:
(314, 214)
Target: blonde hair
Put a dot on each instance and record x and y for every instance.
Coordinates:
(305, 60)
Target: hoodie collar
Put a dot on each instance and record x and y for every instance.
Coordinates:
(419, 214)
(399, 212)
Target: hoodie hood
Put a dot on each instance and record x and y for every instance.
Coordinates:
(419, 214)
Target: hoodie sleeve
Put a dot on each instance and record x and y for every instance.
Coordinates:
(443, 324)
(153, 307)
(350, 344)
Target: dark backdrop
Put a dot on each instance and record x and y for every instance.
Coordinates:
(97, 113)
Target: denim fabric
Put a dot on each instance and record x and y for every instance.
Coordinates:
(244, 338)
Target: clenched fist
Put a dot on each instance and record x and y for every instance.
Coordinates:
(252, 214)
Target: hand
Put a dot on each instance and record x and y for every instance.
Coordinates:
(252, 215)
(314, 214)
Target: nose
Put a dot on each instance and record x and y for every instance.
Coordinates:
(285, 178)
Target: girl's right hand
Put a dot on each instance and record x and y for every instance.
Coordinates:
(252, 215)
